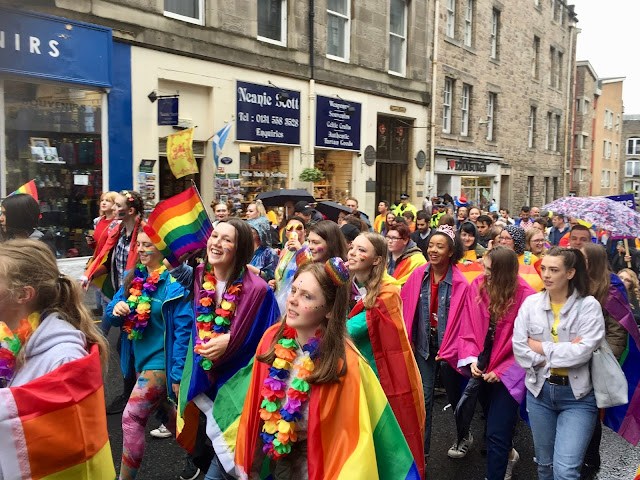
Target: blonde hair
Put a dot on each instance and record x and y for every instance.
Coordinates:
(635, 284)
(30, 263)
(374, 282)
(260, 208)
(527, 239)
(109, 196)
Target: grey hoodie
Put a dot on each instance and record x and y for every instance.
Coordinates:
(55, 342)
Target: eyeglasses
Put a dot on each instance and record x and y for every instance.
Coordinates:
(298, 227)
(393, 239)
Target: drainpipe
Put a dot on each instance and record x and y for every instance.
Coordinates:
(434, 77)
(312, 16)
(311, 119)
(568, 161)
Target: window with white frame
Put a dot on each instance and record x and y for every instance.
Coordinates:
(632, 168)
(556, 132)
(495, 33)
(272, 21)
(492, 100)
(398, 37)
(578, 105)
(586, 106)
(450, 29)
(578, 174)
(338, 29)
(446, 105)
(532, 126)
(633, 146)
(576, 141)
(464, 109)
(602, 179)
(606, 149)
(191, 11)
(608, 119)
(468, 23)
(535, 57)
(547, 136)
(607, 178)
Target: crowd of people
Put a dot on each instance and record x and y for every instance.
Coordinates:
(324, 324)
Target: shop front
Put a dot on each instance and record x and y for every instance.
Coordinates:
(54, 75)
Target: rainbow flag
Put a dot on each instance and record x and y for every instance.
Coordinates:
(55, 427)
(637, 477)
(29, 188)
(179, 225)
(470, 269)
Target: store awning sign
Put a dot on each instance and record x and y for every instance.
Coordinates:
(466, 165)
(54, 48)
(267, 114)
(168, 111)
(337, 123)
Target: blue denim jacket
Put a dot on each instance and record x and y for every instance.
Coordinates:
(422, 331)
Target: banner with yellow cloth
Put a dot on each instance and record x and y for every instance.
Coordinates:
(180, 153)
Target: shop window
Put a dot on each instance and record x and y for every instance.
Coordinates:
(477, 190)
(53, 136)
(170, 185)
(191, 11)
(336, 166)
(272, 21)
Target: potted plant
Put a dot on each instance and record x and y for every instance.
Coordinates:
(311, 175)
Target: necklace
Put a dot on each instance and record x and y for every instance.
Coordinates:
(11, 342)
(139, 301)
(279, 429)
(211, 322)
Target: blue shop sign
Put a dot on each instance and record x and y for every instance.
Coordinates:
(267, 114)
(627, 200)
(54, 48)
(168, 111)
(337, 123)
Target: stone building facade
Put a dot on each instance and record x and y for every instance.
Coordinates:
(630, 155)
(587, 91)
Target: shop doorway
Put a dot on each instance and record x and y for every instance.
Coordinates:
(392, 152)
(392, 179)
(477, 190)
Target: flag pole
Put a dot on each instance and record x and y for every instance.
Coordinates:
(193, 184)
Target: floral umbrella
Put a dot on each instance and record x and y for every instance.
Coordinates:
(615, 217)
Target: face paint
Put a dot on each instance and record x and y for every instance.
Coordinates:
(227, 246)
(314, 308)
(319, 250)
(148, 252)
(362, 257)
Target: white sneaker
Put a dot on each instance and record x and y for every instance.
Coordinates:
(511, 464)
(459, 450)
(160, 432)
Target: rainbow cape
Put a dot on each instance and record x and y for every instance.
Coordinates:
(407, 265)
(55, 426)
(471, 269)
(28, 188)
(352, 432)
(379, 334)
(637, 477)
(529, 265)
(179, 225)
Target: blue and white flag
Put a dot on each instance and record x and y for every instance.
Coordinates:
(218, 141)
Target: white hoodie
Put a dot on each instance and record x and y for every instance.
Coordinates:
(54, 343)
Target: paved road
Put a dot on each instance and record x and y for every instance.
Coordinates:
(164, 457)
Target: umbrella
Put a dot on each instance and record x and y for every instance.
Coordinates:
(278, 198)
(615, 217)
(332, 210)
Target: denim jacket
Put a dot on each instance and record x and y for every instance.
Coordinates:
(579, 317)
(422, 332)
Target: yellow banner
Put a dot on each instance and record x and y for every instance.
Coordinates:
(180, 153)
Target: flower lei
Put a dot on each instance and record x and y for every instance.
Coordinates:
(279, 429)
(12, 342)
(139, 301)
(209, 325)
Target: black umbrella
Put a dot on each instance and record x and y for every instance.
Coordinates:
(278, 198)
(332, 210)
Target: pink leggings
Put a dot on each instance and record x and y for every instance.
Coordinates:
(149, 393)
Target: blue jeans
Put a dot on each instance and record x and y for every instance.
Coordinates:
(562, 427)
(215, 470)
(501, 420)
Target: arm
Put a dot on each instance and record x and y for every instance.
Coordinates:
(616, 336)
(116, 320)
(526, 358)
(182, 324)
(183, 275)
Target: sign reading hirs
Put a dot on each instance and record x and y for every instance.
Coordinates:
(267, 115)
(466, 165)
(337, 123)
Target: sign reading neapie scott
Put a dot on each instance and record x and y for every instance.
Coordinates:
(265, 115)
(337, 123)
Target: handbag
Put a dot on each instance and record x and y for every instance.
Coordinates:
(609, 381)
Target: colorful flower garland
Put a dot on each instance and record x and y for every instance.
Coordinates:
(12, 342)
(209, 325)
(279, 429)
(139, 301)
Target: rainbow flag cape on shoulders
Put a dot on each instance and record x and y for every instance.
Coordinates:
(28, 188)
(352, 432)
(471, 269)
(55, 427)
(407, 265)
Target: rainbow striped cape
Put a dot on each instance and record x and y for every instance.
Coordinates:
(407, 265)
(352, 432)
(179, 225)
(637, 477)
(471, 269)
(55, 426)
(528, 270)
(28, 188)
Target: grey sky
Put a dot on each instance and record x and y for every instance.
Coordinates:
(609, 41)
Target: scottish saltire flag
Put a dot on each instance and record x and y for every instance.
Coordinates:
(179, 224)
(55, 426)
(29, 188)
(218, 141)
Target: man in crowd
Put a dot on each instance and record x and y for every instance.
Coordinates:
(579, 236)
(423, 232)
(535, 212)
(504, 214)
(559, 229)
(484, 224)
(525, 220)
(405, 205)
(307, 212)
(383, 209)
(439, 210)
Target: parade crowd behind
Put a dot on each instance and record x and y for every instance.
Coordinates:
(297, 346)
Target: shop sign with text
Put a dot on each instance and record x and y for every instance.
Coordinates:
(337, 123)
(466, 165)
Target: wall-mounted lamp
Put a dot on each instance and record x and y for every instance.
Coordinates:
(153, 96)
(283, 96)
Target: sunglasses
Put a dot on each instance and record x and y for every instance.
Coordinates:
(298, 227)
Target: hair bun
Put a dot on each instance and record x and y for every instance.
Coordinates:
(337, 271)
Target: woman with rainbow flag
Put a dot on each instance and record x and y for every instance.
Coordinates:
(233, 309)
(315, 409)
(52, 412)
(156, 321)
(376, 326)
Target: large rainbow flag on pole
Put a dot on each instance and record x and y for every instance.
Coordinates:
(29, 188)
(179, 225)
(55, 426)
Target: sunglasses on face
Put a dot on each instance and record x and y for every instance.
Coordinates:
(298, 227)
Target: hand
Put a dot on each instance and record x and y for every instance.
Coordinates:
(215, 347)
(176, 389)
(439, 358)
(272, 284)
(475, 371)
(253, 269)
(536, 346)
(84, 283)
(294, 245)
(576, 340)
(121, 309)
(90, 241)
(491, 377)
(627, 258)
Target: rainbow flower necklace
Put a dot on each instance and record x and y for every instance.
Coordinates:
(11, 342)
(281, 411)
(139, 300)
(211, 322)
